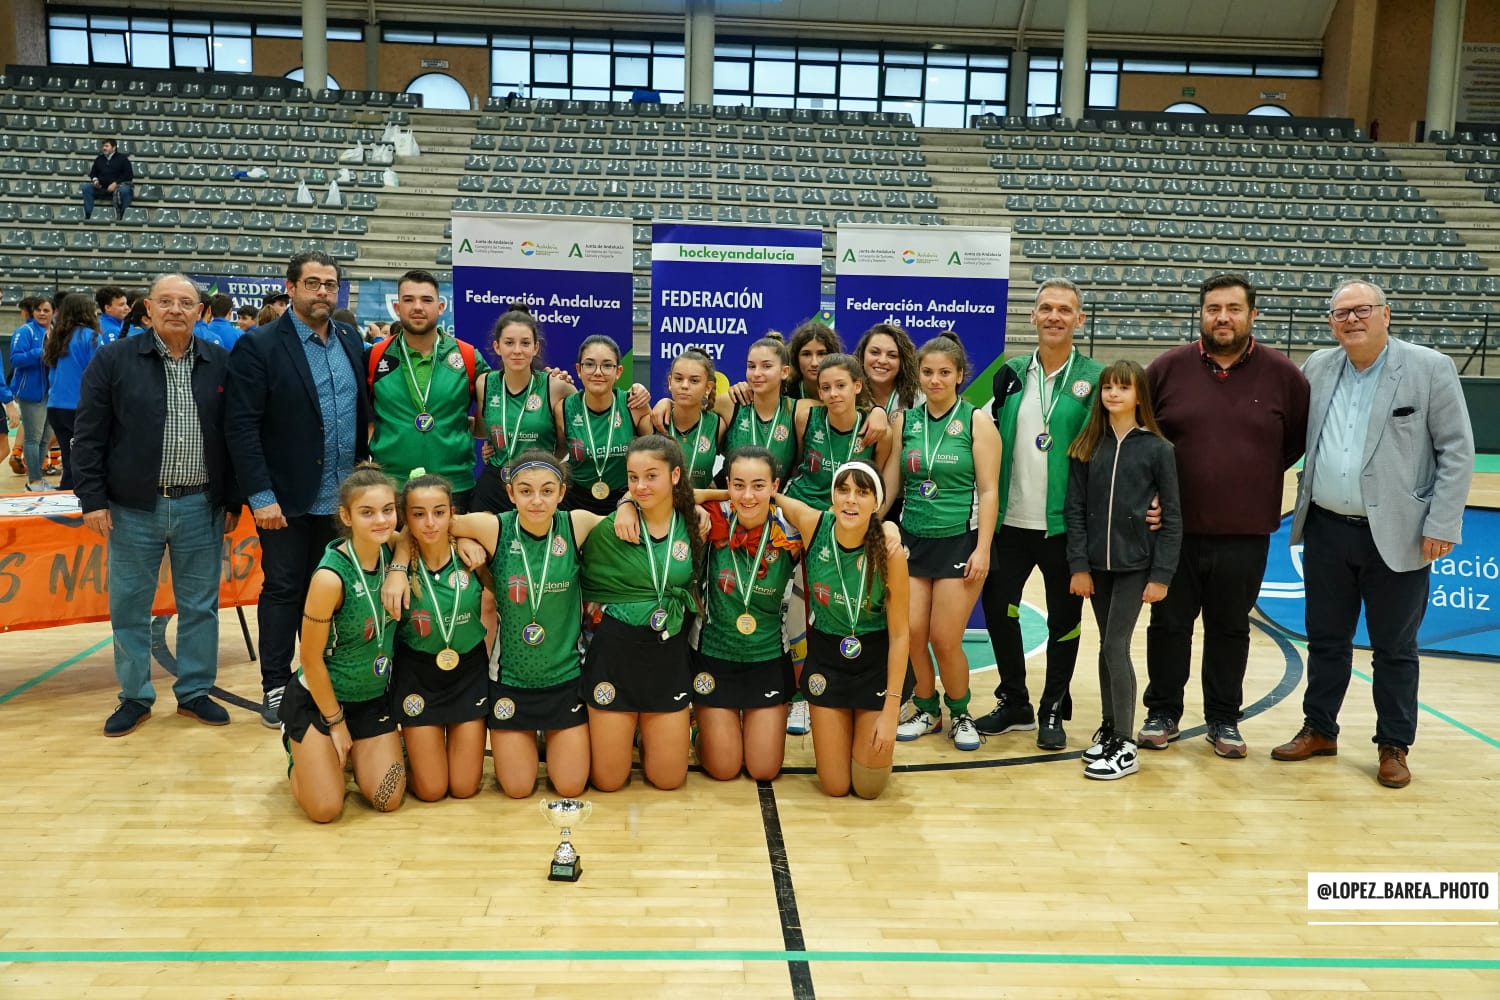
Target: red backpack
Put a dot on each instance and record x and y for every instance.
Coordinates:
(378, 351)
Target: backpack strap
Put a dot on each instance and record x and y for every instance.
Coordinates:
(376, 353)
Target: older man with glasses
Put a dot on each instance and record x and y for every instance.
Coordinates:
(297, 410)
(1390, 455)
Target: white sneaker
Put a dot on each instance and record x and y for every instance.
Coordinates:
(1119, 760)
(908, 709)
(797, 720)
(919, 725)
(963, 734)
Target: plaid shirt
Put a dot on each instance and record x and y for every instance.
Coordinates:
(182, 461)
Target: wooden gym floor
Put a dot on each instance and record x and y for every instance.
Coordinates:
(173, 863)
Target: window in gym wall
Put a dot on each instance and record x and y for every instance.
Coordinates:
(439, 90)
(1270, 111)
(158, 42)
(296, 74)
(1186, 108)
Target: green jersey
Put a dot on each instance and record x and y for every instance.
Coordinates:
(517, 420)
(940, 498)
(775, 435)
(539, 603)
(700, 447)
(738, 584)
(411, 391)
(825, 450)
(634, 582)
(837, 582)
(597, 441)
(361, 635)
(445, 614)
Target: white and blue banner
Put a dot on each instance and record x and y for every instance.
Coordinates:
(573, 274)
(1463, 597)
(722, 288)
(375, 302)
(926, 280)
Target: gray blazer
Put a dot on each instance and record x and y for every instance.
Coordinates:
(1419, 450)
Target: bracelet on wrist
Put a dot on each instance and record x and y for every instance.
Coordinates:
(396, 568)
(334, 719)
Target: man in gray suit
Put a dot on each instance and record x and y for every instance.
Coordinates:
(1390, 454)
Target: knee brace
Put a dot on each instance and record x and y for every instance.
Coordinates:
(868, 782)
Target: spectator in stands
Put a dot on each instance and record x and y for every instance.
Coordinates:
(111, 175)
(172, 490)
(71, 345)
(114, 306)
(1390, 455)
(295, 419)
(1236, 413)
(1040, 404)
(244, 318)
(28, 383)
(219, 329)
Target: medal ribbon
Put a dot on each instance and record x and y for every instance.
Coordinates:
(770, 431)
(377, 612)
(659, 584)
(1057, 391)
(511, 432)
(445, 629)
(692, 461)
(534, 592)
(418, 394)
(930, 457)
(859, 419)
(856, 607)
(734, 562)
(588, 428)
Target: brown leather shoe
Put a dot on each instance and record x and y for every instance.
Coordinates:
(1307, 743)
(1393, 770)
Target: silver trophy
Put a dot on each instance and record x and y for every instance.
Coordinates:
(564, 814)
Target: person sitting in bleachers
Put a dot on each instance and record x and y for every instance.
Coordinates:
(111, 175)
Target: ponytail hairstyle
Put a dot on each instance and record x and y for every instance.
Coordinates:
(809, 331)
(752, 453)
(698, 357)
(595, 340)
(76, 312)
(1125, 373)
(667, 450)
(947, 343)
(850, 364)
(366, 475)
(516, 313)
(424, 480)
(906, 375)
(774, 342)
(875, 532)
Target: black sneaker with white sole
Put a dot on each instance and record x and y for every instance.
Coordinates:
(1006, 718)
(270, 708)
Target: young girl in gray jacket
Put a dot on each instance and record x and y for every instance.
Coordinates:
(1118, 463)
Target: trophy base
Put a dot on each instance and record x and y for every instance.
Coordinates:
(565, 871)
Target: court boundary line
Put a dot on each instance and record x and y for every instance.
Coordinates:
(53, 671)
(786, 895)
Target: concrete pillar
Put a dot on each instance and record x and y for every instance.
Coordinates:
(1017, 84)
(372, 55)
(315, 44)
(699, 39)
(1075, 59)
(1442, 71)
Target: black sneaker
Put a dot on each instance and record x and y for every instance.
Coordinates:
(205, 710)
(126, 718)
(1096, 748)
(1006, 718)
(270, 708)
(1158, 730)
(1226, 738)
(1051, 736)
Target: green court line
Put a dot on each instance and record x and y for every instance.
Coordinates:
(1487, 463)
(745, 955)
(53, 672)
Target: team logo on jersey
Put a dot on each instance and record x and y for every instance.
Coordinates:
(1082, 388)
(780, 433)
(413, 705)
(814, 460)
(422, 622)
(704, 683)
(386, 365)
(680, 550)
(913, 461)
(955, 427)
(825, 554)
(703, 445)
(458, 579)
(504, 709)
(533, 402)
(515, 588)
(821, 593)
(575, 448)
(369, 629)
(617, 420)
(455, 361)
(559, 546)
(816, 685)
(726, 581)
(817, 436)
(604, 693)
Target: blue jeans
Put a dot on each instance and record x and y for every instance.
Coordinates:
(34, 438)
(121, 197)
(191, 532)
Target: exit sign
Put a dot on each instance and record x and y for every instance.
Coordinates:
(1189, 91)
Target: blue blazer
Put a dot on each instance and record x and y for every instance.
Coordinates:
(272, 421)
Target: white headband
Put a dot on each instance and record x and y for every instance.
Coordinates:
(867, 470)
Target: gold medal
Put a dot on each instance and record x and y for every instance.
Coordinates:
(745, 623)
(600, 490)
(447, 659)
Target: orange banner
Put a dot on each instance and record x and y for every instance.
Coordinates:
(55, 571)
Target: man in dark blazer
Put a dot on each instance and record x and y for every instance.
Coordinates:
(152, 473)
(1390, 455)
(297, 413)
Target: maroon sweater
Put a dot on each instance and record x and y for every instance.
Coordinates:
(1234, 436)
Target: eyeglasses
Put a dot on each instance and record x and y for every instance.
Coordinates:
(313, 285)
(602, 367)
(1358, 312)
(166, 305)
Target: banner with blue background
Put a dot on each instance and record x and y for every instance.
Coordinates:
(375, 302)
(1463, 598)
(248, 291)
(927, 280)
(573, 274)
(721, 288)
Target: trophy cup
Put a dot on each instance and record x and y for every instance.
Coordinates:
(564, 814)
